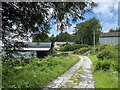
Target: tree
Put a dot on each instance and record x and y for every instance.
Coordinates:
(111, 30)
(35, 17)
(85, 30)
(43, 37)
(52, 38)
(115, 30)
(64, 37)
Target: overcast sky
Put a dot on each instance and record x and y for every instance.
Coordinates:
(106, 12)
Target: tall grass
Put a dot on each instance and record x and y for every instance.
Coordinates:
(38, 73)
(105, 72)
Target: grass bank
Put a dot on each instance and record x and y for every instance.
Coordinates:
(104, 78)
(37, 73)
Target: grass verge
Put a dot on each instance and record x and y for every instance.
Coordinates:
(104, 78)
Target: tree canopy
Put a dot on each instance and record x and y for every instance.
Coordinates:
(35, 17)
(115, 30)
(43, 37)
(84, 31)
(64, 37)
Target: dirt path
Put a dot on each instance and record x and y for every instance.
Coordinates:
(85, 79)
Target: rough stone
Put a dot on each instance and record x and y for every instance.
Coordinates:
(86, 78)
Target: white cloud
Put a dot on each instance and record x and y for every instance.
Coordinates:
(71, 29)
(106, 9)
(107, 12)
(108, 26)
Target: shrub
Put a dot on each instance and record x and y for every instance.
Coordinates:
(106, 64)
(105, 54)
(117, 46)
(102, 65)
(115, 66)
(13, 62)
(82, 50)
(100, 48)
(65, 47)
(76, 51)
(71, 47)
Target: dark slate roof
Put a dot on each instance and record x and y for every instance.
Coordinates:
(39, 45)
(64, 42)
(110, 34)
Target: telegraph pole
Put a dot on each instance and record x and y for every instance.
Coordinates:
(94, 40)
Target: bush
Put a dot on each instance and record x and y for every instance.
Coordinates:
(117, 46)
(13, 62)
(107, 64)
(105, 54)
(82, 50)
(76, 51)
(115, 66)
(103, 65)
(100, 48)
(66, 47)
(71, 47)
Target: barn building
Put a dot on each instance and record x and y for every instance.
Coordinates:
(42, 49)
(39, 49)
(110, 38)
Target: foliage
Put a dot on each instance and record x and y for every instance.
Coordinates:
(100, 48)
(106, 64)
(105, 54)
(64, 37)
(37, 73)
(52, 38)
(115, 30)
(66, 47)
(103, 65)
(108, 52)
(71, 47)
(12, 62)
(106, 70)
(35, 17)
(85, 49)
(82, 50)
(43, 37)
(84, 31)
(110, 56)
